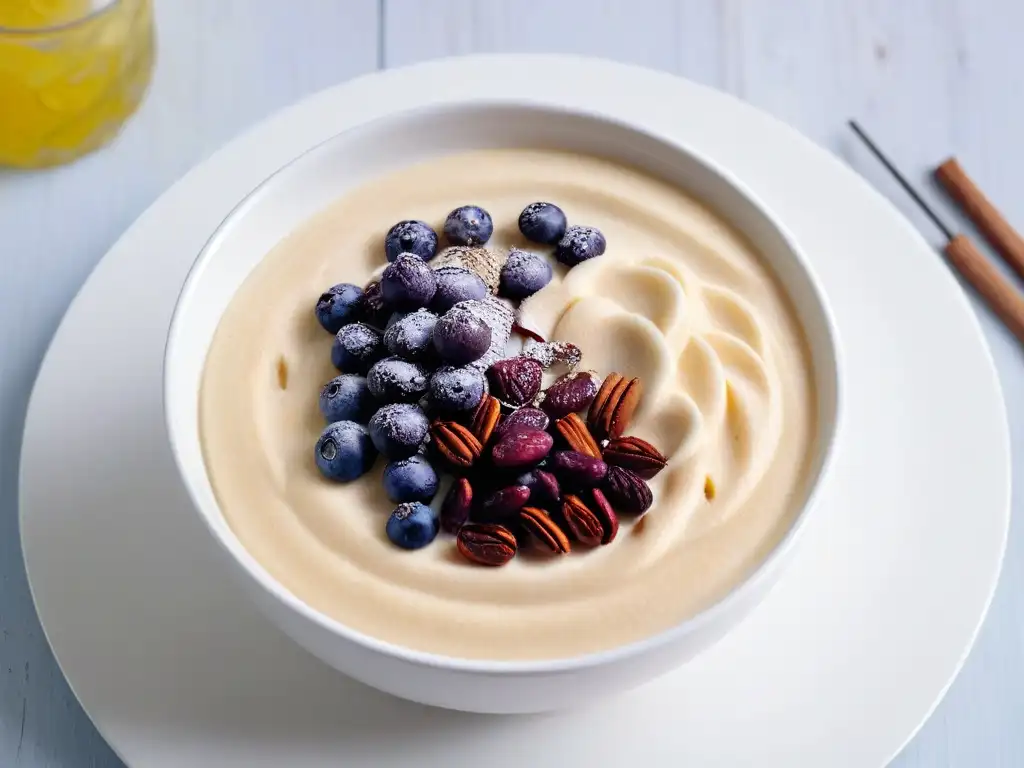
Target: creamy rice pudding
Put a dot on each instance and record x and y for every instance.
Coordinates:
(679, 300)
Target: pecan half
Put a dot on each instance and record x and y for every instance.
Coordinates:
(614, 405)
(576, 470)
(523, 419)
(485, 419)
(627, 491)
(543, 487)
(585, 525)
(456, 444)
(609, 520)
(544, 531)
(635, 454)
(521, 448)
(505, 503)
(592, 522)
(576, 435)
(570, 393)
(457, 505)
(516, 380)
(486, 544)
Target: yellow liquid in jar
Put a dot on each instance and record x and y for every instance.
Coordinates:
(68, 79)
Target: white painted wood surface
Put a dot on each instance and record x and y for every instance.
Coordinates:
(928, 77)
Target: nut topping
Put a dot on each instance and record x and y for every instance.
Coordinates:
(584, 524)
(524, 418)
(485, 419)
(456, 444)
(486, 544)
(570, 393)
(543, 487)
(613, 408)
(515, 380)
(591, 524)
(491, 425)
(609, 520)
(503, 504)
(577, 470)
(544, 531)
(517, 449)
(635, 454)
(627, 491)
(456, 506)
(549, 353)
(576, 435)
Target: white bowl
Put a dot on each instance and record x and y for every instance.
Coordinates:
(308, 184)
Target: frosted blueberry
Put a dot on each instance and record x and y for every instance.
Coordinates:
(397, 430)
(411, 337)
(415, 237)
(412, 479)
(461, 337)
(456, 389)
(357, 346)
(468, 225)
(338, 305)
(579, 244)
(394, 380)
(412, 526)
(455, 284)
(344, 451)
(408, 283)
(347, 398)
(542, 223)
(524, 274)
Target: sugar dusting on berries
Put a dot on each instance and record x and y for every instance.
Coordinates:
(486, 262)
(551, 353)
(400, 421)
(499, 317)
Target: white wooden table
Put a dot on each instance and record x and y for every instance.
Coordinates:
(928, 77)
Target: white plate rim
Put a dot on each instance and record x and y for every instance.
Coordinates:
(276, 123)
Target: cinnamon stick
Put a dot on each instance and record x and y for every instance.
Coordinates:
(985, 216)
(1001, 297)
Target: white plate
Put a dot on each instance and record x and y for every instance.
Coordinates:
(840, 665)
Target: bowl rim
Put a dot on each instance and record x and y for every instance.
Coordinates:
(763, 572)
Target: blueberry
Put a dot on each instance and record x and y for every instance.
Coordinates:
(347, 398)
(468, 225)
(461, 337)
(542, 223)
(455, 284)
(356, 348)
(411, 337)
(579, 244)
(412, 479)
(408, 283)
(344, 451)
(398, 429)
(393, 380)
(456, 389)
(340, 304)
(395, 317)
(412, 526)
(524, 274)
(415, 237)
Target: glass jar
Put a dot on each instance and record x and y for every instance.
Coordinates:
(71, 73)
